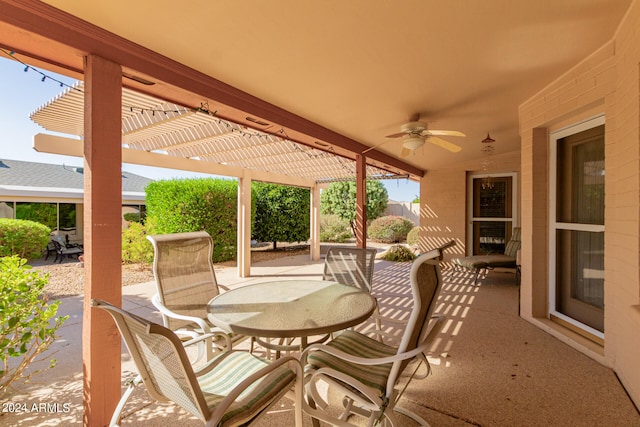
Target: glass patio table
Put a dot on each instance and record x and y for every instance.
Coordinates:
(290, 309)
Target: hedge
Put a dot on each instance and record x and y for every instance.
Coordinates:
(22, 237)
(389, 229)
(195, 204)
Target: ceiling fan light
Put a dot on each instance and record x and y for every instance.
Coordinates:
(413, 142)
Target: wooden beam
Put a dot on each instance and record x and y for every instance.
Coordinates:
(361, 201)
(101, 344)
(44, 143)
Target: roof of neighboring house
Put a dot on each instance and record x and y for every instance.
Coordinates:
(44, 177)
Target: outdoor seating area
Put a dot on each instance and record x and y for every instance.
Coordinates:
(487, 365)
(478, 263)
(61, 248)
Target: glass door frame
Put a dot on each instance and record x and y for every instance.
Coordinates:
(514, 205)
(555, 225)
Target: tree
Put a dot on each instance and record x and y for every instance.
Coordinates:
(340, 199)
(282, 213)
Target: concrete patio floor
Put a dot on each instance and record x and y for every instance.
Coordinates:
(490, 367)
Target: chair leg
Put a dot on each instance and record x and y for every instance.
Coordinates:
(417, 418)
(115, 418)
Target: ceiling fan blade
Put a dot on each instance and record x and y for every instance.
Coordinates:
(405, 152)
(444, 132)
(396, 135)
(444, 144)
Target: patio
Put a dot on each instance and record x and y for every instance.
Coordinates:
(490, 367)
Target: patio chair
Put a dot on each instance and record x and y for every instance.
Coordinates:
(477, 263)
(234, 388)
(185, 282)
(350, 266)
(64, 251)
(372, 375)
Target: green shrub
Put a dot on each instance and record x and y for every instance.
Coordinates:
(135, 246)
(24, 238)
(28, 324)
(282, 213)
(399, 253)
(389, 229)
(132, 217)
(334, 229)
(195, 204)
(413, 238)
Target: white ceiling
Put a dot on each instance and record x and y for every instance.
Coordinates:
(363, 67)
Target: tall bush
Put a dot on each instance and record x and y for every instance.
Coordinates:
(28, 323)
(334, 229)
(282, 213)
(24, 238)
(389, 229)
(182, 205)
(135, 246)
(340, 199)
(413, 238)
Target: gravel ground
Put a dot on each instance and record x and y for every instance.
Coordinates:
(67, 279)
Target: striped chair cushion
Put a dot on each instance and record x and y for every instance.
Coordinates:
(356, 344)
(231, 369)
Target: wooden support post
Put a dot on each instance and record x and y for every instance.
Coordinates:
(361, 201)
(314, 225)
(101, 345)
(244, 225)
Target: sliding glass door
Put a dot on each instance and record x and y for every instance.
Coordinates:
(577, 220)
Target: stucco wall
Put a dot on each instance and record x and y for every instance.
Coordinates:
(606, 82)
(442, 212)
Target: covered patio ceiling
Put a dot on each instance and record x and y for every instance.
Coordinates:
(351, 72)
(155, 127)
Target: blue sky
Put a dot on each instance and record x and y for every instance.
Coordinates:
(24, 92)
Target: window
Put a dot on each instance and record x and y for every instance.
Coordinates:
(53, 215)
(577, 227)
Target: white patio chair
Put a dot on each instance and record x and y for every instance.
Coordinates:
(372, 375)
(350, 266)
(234, 388)
(185, 282)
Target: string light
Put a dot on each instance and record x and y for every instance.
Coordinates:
(27, 68)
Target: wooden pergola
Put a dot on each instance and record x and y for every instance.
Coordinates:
(155, 132)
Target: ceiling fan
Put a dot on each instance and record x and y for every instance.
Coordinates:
(415, 133)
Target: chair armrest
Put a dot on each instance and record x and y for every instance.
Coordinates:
(155, 300)
(361, 360)
(421, 348)
(207, 336)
